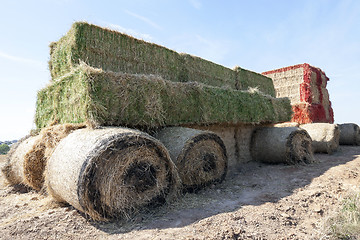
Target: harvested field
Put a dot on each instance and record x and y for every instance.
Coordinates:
(261, 201)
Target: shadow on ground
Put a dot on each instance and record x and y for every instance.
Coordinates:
(255, 184)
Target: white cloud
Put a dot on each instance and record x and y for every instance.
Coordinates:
(196, 4)
(129, 31)
(144, 19)
(21, 59)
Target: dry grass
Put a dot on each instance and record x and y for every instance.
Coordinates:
(346, 223)
(200, 156)
(139, 101)
(113, 51)
(111, 172)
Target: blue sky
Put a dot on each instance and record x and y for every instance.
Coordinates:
(257, 35)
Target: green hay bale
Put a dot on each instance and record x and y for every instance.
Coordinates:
(203, 71)
(246, 79)
(118, 99)
(113, 51)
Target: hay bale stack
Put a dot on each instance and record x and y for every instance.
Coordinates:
(200, 156)
(14, 167)
(305, 85)
(349, 134)
(289, 145)
(143, 101)
(113, 51)
(325, 136)
(111, 172)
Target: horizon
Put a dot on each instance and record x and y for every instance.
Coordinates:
(263, 37)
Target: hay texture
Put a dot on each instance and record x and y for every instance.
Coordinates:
(35, 159)
(113, 51)
(111, 172)
(200, 156)
(14, 167)
(27, 160)
(305, 85)
(349, 134)
(325, 136)
(289, 145)
(119, 99)
(236, 138)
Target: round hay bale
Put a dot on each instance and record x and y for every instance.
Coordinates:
(200, 156)
(111, 172)
(35, 159)
(14, 167)
(289, 145)
(349, 134)
(325, 136)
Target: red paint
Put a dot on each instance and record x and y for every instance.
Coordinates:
(307, 111)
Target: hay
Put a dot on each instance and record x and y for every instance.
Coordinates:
(111, 172)
(35, 159)
(325, 136)
(200, 156)
(27, 159)
(305, 85)
(138, 101)
(14, 167)
(289, 145)
(349, 134)
(287, 124)
(236, 139)
(113, 51)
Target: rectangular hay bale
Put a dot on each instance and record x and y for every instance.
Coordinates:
(305, 85)
(113, 51)
(119, 99)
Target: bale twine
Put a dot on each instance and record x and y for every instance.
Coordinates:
(14, 167)
(111, 172)
(289, 145)
(349, 134)
(325, 136)
(200, 156)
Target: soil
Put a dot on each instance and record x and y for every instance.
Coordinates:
(260, 201)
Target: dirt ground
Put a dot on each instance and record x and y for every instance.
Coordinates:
(261, 201)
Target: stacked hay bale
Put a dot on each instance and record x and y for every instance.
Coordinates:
(113, 51)
(305, 85)
(106, 78)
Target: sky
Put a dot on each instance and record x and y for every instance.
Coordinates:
(258, 35)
